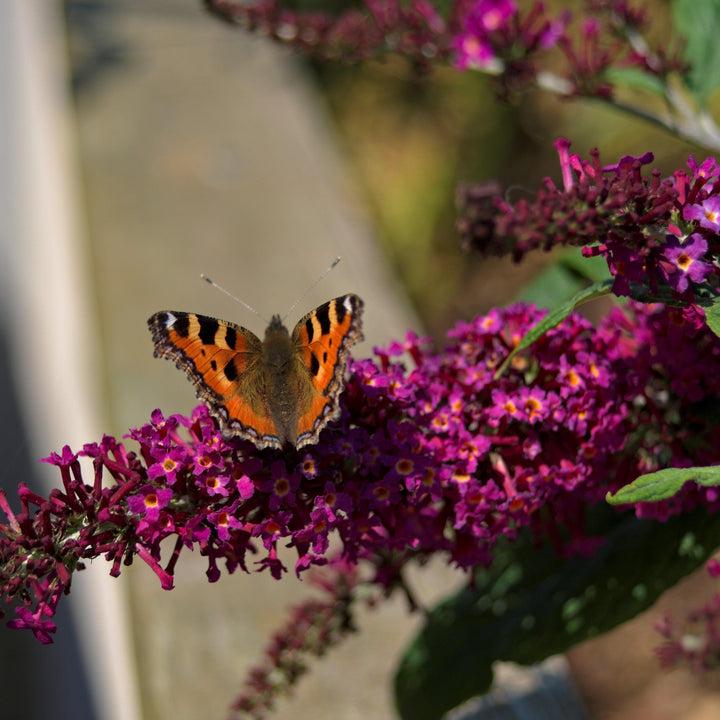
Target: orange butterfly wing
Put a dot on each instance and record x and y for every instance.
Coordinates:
(322, 340)
(235, 373)
(223, 362)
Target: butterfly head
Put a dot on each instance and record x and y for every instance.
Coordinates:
(276, 328)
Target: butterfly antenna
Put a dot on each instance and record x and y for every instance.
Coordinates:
(292, 307)
(229, 294)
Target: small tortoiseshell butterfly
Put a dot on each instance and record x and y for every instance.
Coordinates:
(279, 391)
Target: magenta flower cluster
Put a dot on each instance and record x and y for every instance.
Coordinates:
(494, 36)
(479, 26)
(652, 231)
(415, 29)
(470, 33)
(442, 458)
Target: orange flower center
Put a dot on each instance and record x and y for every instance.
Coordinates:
(282, 487)
(572, 377)
(404, 466)
(684, 261)
(151, 500)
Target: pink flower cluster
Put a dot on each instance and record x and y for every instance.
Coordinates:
(473, 45)
(445, 457)
(415, 29)
(493, 35)
(653, 232)
(490, 35)
(471, 33)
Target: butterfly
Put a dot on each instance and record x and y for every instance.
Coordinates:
(275, 392)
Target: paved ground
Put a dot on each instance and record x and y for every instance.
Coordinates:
(207, 151)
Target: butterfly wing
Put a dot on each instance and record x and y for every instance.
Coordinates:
(322, 340)
(223, 362)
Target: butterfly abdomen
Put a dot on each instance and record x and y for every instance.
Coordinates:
(283, 381)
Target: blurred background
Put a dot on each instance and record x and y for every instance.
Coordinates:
(142, 142)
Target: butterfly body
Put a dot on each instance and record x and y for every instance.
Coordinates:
(277, 392)
(288, 388)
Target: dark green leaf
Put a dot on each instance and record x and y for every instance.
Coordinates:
(567, 276)
(531, 605)
(662, 294)
(663, 484)
(712, 313)
(594, 269)
(552, 286)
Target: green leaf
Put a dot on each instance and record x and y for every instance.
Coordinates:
(555, 317)
(637, 79)
(712, 313)
(663, 484)
(552, 286)
(698, 21)
(594, 269)
(662, 294)
(567, 276)
(531, 605)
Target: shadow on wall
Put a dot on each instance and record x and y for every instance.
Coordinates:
(36, 681)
